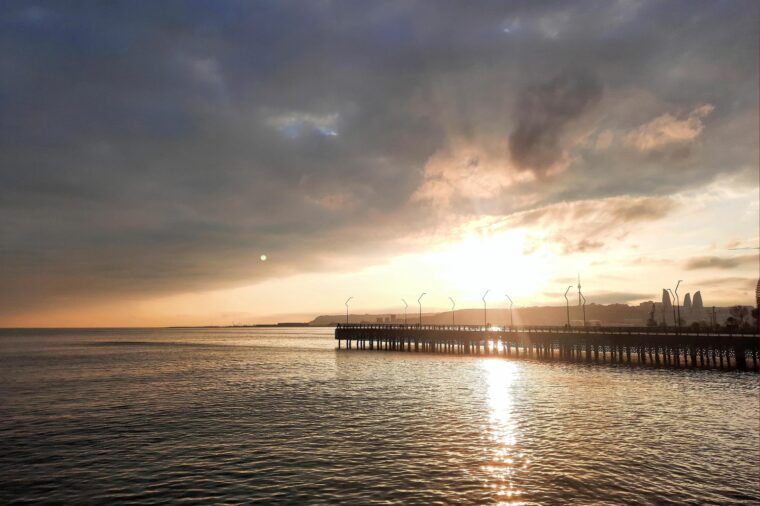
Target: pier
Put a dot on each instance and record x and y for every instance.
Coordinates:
(660, 347)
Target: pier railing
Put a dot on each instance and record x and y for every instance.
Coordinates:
(662, 346)
(559, 329)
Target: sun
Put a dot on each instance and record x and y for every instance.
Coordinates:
(492, 261)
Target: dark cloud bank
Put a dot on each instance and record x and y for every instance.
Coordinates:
(148, 148)
(542, 114)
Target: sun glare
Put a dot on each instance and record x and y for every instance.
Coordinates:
(497, 261)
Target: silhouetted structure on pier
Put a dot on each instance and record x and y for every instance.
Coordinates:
(629, 345)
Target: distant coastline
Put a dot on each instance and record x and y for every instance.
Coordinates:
(619, 315)
(257, 325)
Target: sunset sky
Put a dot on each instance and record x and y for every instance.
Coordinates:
(152, 152)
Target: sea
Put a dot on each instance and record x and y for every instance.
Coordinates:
(281, 416)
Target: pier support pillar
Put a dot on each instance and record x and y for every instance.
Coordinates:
(740, 358)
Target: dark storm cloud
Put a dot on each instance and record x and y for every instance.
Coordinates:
(148, 148)
(543, 111)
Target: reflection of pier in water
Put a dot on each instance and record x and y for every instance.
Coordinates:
(625, 345)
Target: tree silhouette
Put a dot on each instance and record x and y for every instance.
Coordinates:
(651, 322)
(739, 313)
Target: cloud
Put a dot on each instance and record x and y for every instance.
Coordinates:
(463, 172)
(584, 226)
(153, 151)
(666, 130)
(295, 124)
(582, 246)
(543, 113)
(713, 262)
(606, 213)
(733, 282)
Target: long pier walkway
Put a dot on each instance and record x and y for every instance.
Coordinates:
(663, 347)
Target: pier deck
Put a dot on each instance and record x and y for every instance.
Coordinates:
(665, 347)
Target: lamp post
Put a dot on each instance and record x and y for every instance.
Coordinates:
(673, 297)
(510, 309)
(419, 301)
(406, 306)
(678, 304)
(485, 310)
(567, 305)
(584, 309)
(453, 305)
(346, 303)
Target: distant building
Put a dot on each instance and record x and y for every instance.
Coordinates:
(667, 307)
(696, 304)
(687, 301)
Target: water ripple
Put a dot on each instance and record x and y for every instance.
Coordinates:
(280, 416)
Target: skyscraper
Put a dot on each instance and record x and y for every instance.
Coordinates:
(696, 304)
(667, 306)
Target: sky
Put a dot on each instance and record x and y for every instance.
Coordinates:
(152, 154)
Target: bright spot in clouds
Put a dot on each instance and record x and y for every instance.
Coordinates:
(263, 258)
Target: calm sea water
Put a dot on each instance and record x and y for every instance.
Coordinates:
(241, 415)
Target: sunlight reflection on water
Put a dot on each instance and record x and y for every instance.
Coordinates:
(506, 458)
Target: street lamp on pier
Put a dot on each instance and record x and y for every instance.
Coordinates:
(673, 298)
(453, 306)
(419, 301)
(567, 305)
(678, 304)
(510, 309)
(485, 310)
(584, 308)
(346, 303)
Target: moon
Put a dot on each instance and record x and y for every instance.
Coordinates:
(263, 258)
